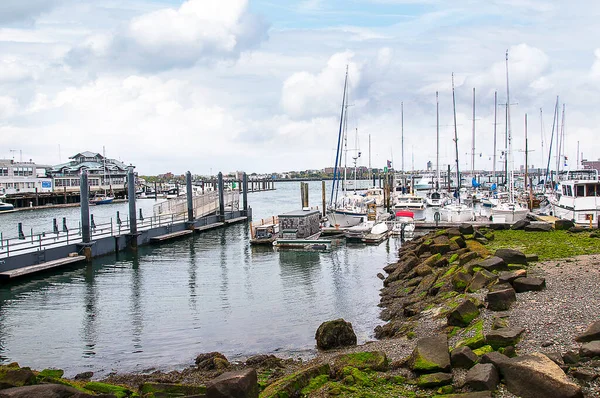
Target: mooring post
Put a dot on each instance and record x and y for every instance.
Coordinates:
(302, 194)
(245, 193)
(132, 212)
(85, 207)
(155, 191)
(190, 199)
(221, 197)
(323, 198)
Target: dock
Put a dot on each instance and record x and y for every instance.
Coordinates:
(171, 236)
(209, 226)
(236, 220)
(8, 275)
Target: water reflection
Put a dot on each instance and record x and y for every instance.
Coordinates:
(299, 267)
(90, 298)
(136, 310)
(224, 272)
(192, 273)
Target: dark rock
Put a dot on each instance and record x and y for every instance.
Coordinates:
(504, 337)
(423, 270)
(570, 357)
(591, 349)
(431, 355)
(461, 280)
(576, 229)
(212, 361)
(460, 242)
(152, 389)
(466, 229)
(84, 376)
(380, 276)
(510, 276)
(510, 351)
(520, 224)
(480, 280)
(16, 377)
(499, 226)
(556, 358)
(373, 360)
(501, 300)
(290, 386)
(452, 232)
(529, 284)
(538, 227)
(434, 380)
(478, 394)
(441, 240)
(499, 323)
(493, 264)
(495, 358)
(531, 258)
(463, 357)
(264, 361)
(561, 224)
(499, 286)
(482, 377)
(583, 374)
(45, 391)
(441, 248)
(337, 333)
(511, 256)
(547, 343)
(468, 256)
(535, 375)
(463, 314)
(238, 384)
(590, 334)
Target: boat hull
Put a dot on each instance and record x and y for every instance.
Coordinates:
(508, 215)
(579, 217)
(345, 219)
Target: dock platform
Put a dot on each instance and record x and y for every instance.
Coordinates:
(235, 220)
(8, 275)
(209, 226)
(167, 237)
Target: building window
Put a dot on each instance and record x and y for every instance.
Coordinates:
(3, 171)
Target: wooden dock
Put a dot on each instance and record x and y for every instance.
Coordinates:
(8, 275)
(171, 236)
(209, 226)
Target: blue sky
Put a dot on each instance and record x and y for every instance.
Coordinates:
(256, 84)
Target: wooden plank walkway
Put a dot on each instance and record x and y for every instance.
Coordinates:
(7, 275)
(173, 235)
(209, 226)
(236, 220)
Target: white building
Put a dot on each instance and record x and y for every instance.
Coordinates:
(23, 177)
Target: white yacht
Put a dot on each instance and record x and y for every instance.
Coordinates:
(577, 197)
(375, 194)
(437, 199)
(509, 212)
(409, 201)
(457, 212)
(351, 210)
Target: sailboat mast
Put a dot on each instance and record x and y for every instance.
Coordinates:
(527, 165)
(542, 133)
(455, 137)
(557, 140)
(370, 158)
(548, 173)
(508, 134)
(562, 137)
(437, 152)
(345, 145)
(495, 124)
(473, 141)
(335, 185)
(402, 129)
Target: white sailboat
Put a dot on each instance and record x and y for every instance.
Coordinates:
(437, 198)
(105, 198)
(510, 211)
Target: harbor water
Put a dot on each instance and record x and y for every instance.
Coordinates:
(160, 307)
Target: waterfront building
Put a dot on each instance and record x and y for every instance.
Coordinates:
(103, 173)
(23, 177)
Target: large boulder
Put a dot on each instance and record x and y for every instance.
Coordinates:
(463, 314)
(493, 264)
(591, 349)
(480, 280)
(336, 333)
(212, 361)
(538, 227)
(461, 280)
(501, 300)
(521, 224)
(535, 375)
(591, 333)
(238, 384)
(45, 391)
(511, 256)
(529, 284)
(431, 355)
(504, 337)
(563, 224)
(368, 360)
(482, 377)
(463, 357)
(15, 377)
(466, 229)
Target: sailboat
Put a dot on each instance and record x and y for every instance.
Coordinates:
(105, 198)
(351, 209)
(456, 212)
(509, 211)
(437, 198)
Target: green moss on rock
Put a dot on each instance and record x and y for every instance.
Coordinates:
(315, 384)
(483, 350)
(291, 385)
(475, 338)
(104, 388)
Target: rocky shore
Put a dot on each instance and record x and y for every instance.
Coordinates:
(465, 318)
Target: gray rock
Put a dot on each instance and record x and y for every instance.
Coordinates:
(466, 257)
(535, 375)
(510, 276)
(532, 258)
(238, 384)
(561, 224)
(431, 355)
(83, 376)
(480, 280)
(212, 361)
(538, 227)
(501, 300)
(583, 374)
(463, 357)
(504, 337)
(380, 276)
(493, 264)
(570, 357)
(520, 224)
(463, 314)
(556, 358)
(511, 256)
(495, 358)
(591, 333)
(591, 349)
(482, 376)
(336, 333)
(528, 284)
(499, 323)
(466, 229)
(434, 380)
(16, 377)
(46, 391)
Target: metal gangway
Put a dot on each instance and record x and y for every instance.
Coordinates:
(203, 204)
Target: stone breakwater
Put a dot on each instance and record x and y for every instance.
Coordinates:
(462, 321)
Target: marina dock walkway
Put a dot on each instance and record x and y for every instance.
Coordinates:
(6, 275)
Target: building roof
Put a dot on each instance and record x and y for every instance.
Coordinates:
(87, 154)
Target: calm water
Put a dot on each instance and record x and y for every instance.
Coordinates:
(211, 292)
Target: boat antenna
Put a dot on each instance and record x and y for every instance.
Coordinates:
(551, 141)
(455, 138)
(337, 154)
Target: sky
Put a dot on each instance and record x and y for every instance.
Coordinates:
(256, 85)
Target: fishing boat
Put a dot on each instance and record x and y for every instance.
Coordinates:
(577, 197)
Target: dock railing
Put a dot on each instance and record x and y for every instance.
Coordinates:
(204, 204)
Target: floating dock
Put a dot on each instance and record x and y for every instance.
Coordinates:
(8, 275)
(171, 236)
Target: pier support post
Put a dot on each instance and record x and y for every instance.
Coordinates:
(133, 233)
(323, 196)
(221, 197)
(189, 196)
(245, 193)
(85, 207)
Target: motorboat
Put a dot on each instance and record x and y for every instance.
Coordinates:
(102, 200)
(265, 232)
(355, 233)
(457, 212)
(409, 201)
(403, 223)
(6, 206)
(378, 234)
(436, 199)
(424, 183)
(577, 197)
(509, 212)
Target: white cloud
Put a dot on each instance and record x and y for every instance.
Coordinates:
(20, 10)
